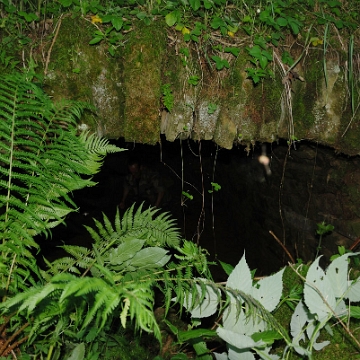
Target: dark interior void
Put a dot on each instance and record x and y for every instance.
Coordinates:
(302, 187)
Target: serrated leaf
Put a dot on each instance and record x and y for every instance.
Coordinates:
(222, 356)
(353, 293)
(237, 354)
(318, 293)
(237, 340)
(240, 277)
(300, 317)
(268, 290)
(337, 273)
(209, 304)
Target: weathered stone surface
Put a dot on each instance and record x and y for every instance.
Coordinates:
(224, 106)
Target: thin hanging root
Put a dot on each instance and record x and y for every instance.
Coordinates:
(283, 246)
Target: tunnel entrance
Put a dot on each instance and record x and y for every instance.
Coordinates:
(229, 202)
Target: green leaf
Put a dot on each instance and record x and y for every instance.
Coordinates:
(96, 40)
(195, 4)
(294, 26)
(117, 22)
(226, 267)
(172, 18)
(66, 3)
(78, 353)
(268, 337)
(281, 21)
(187, 335)
(125, 251)
(263, 61)
(355, 312)
(150, 257)
(233, 50)
(217, 22)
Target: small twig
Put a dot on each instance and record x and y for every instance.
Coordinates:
(5, 346)
(52, 44)
(283, 246)
(354, 244)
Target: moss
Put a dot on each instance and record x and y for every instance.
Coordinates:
(87, 73)
(305, 96)
(142, 82)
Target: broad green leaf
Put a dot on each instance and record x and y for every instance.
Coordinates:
(95, 40)
(268, 290)
(263, 61)
(195, 333)
(217, 22)
(195, 4)
(255, 51)
(208, 4)
(150, 257)
(281, 21)
(233, 50)
(125, 251)
(117, 22)
(318, 293)
(355, 312)
(268, 337)
(172, 17)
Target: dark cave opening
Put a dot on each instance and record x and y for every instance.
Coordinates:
(302, 187)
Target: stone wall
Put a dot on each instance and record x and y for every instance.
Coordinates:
(224, 106)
